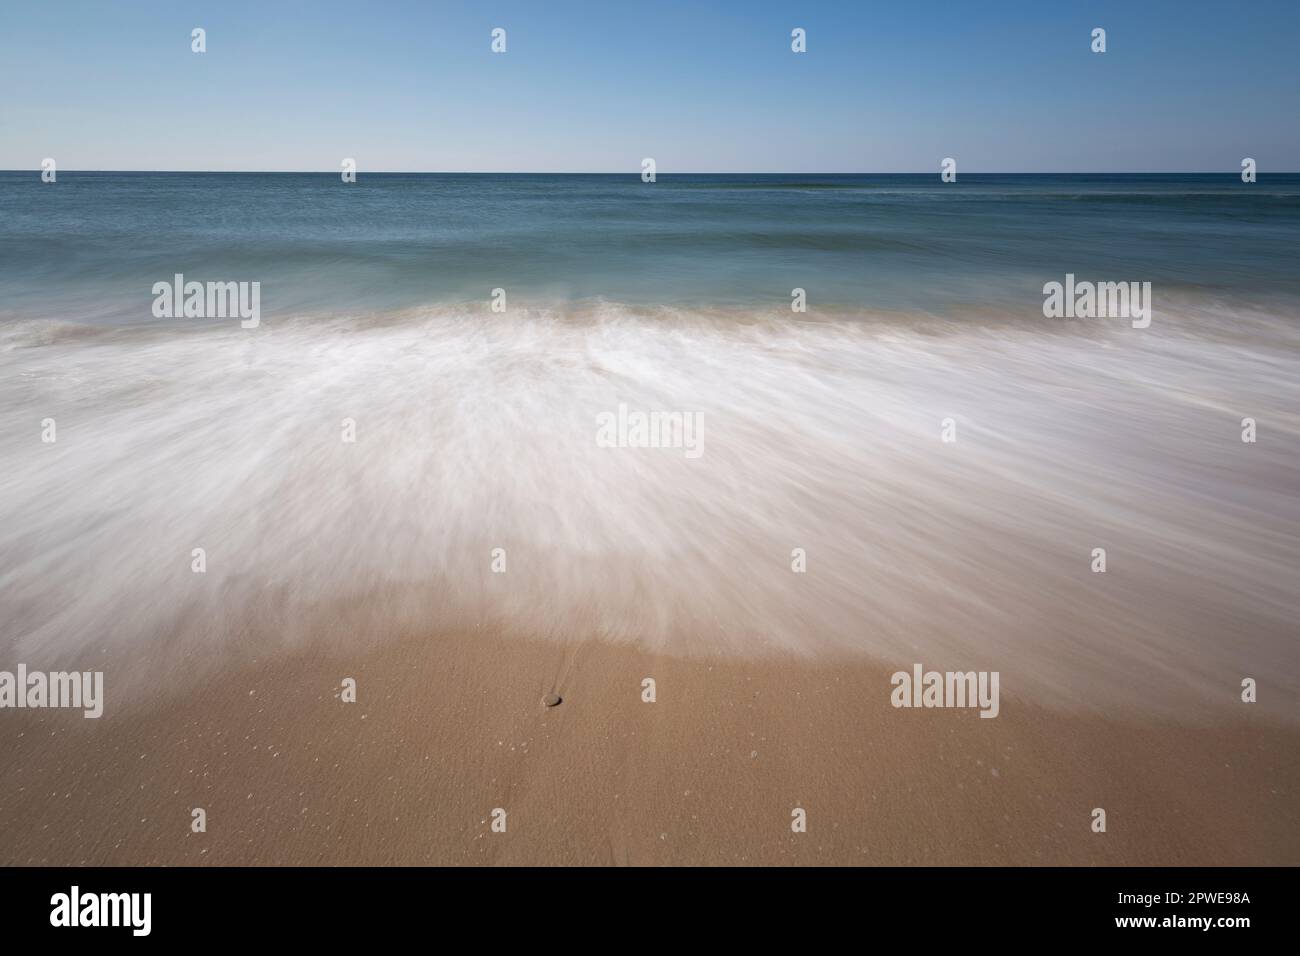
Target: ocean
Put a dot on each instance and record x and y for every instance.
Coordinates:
(920, 467)
(90, 246)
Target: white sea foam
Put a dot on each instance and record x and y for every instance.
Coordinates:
(477, 431)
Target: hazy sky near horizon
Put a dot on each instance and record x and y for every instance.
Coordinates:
(595, 86)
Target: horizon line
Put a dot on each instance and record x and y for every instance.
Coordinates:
(637, 173)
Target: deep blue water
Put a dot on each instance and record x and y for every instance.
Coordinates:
(91, 245)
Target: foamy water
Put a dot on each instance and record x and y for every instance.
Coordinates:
(477, 431)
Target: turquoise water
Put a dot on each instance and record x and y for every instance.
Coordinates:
(90, 246)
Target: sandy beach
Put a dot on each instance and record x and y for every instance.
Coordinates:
(446, 729)
(745, 435)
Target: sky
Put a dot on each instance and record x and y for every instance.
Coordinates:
(401, 85)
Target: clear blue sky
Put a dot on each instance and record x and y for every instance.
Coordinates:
(595, 86)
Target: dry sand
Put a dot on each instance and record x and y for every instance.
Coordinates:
(447, 728)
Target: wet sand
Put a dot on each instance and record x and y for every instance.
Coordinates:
(448, 728)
